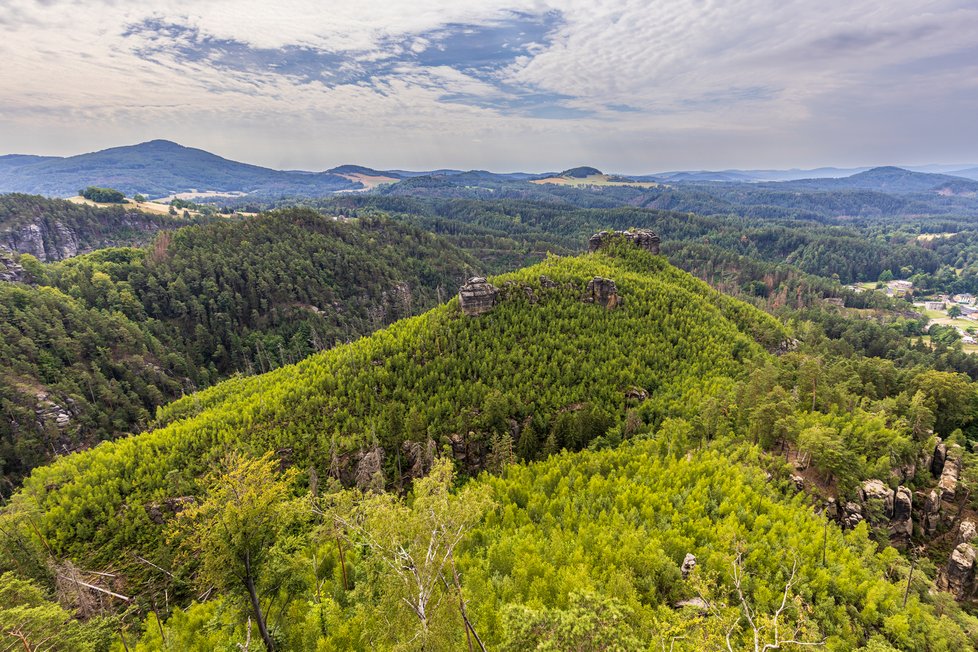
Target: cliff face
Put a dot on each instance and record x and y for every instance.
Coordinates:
(52, 240)
(53, 229)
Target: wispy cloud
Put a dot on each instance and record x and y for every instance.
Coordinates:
(625, 84)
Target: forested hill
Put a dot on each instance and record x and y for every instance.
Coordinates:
(96, 343)
(553, 365)
(621, 408)
(55, 229)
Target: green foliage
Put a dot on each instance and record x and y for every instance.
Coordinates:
(103, 195)
(30, 621)
(112, 335)
(673, 336)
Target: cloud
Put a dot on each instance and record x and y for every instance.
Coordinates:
(631, 85)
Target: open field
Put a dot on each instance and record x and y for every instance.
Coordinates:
(369, 182)
(594, 180)
(154, 207)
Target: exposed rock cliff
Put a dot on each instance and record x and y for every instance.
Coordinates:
(602, 291)
(477, 296)
(643, 239)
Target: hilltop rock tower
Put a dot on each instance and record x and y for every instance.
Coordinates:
(642, 238)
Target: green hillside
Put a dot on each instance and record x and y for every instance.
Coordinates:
(108, 337)
(533, 376)
(594, 446)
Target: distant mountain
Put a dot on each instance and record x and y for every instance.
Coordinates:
(968, 173)
(359, 169)
(580, 172)
(887, 179)
(157, 168)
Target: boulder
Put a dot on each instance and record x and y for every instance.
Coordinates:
(967, 531)
(832, 510)
(852, 515)
(547, 282)
(799, 483)
(641, 238)
(689, 563)
(162, 511)
(602, 291)
(699, 604)
(959, 576)
(877, 493)
(901, 525)
(477, 296)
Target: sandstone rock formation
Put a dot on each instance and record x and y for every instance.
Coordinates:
(643, 239)
(949, 479)
(931, 515)
(689, 563)
(477, 296)
(901, 524)
(852, 515)
(602, 291)
(48, 412)
(967, 531)
(959, 576)
(879, 496)
(10, 270)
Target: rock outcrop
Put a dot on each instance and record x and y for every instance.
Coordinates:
(931, 515)
(958, 577)
(689, 563)
(477, 296)
(949, 479)
(10, 269)
(49, 412)
(852, 515)
(878, 498)
(162, 511)
(603, 292)
(641, 238)
(937, 461)
(967, 531)
(901, 524)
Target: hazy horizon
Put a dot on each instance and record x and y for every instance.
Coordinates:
(506, 85)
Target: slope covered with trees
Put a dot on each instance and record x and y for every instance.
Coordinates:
(533, 376)
(96, 343)
(620, 441)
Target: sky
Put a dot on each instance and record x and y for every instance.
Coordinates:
(629, 86)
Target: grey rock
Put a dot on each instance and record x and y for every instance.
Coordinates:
(641, 238)
(959, 576)
(949, 479)
(901, 525)
(876, 491)
(852, 515)
(931, 516)
(967, 531)
(937, 462)
(10, 269)
(689, 563)
(477, 296)
(699, 604)
(604, 292)
(799, 482)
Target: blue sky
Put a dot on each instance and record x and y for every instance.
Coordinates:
(626, 85)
